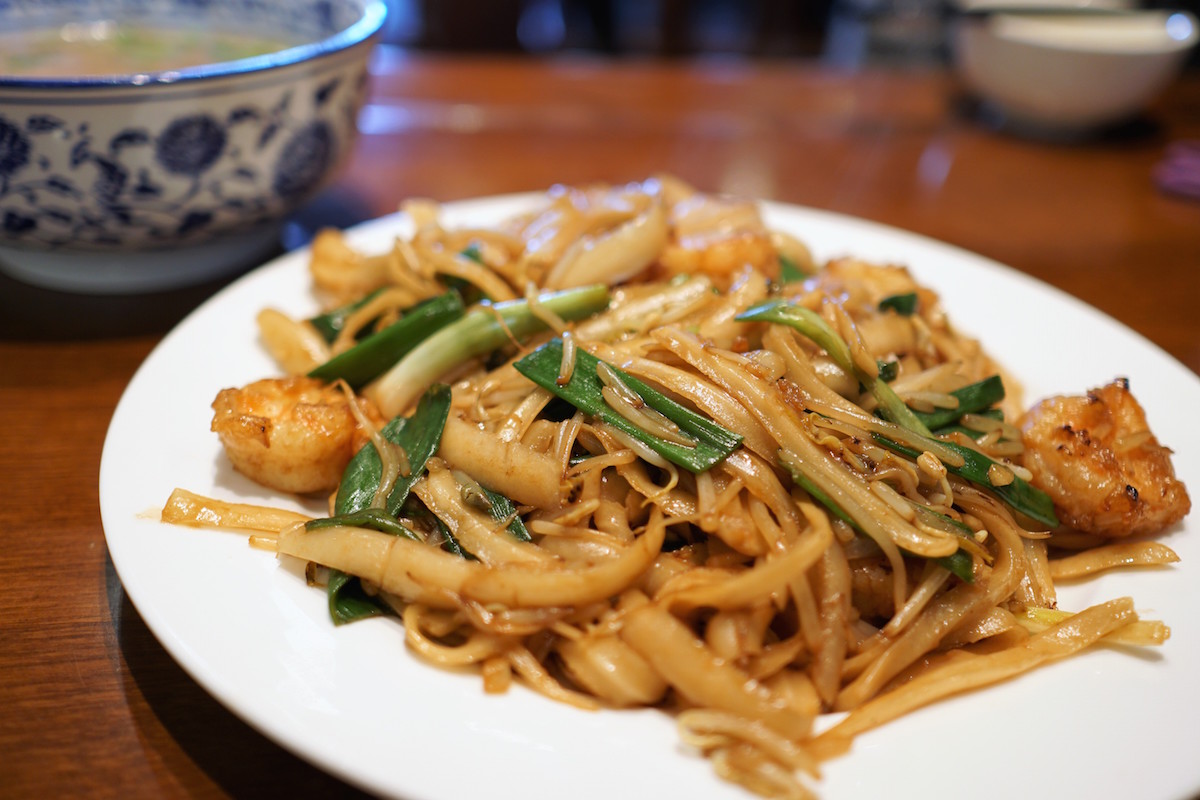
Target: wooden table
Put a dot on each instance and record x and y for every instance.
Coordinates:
(91, 705)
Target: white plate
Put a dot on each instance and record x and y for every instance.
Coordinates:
(1108, 724)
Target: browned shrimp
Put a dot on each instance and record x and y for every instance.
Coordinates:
(293, 434)
(718, 237)
(1096, 457)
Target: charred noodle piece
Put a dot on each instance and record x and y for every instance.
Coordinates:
(478, 333)
(977, 468)
(369, 358)
(419, 437)
(810, 324)
(972, 399)
(584, 391)
(958, 563)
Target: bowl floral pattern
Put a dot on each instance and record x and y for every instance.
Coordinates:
(168, 159)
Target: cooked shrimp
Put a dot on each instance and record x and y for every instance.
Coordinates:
(293, 434)
(718, 237)
(1096, 457)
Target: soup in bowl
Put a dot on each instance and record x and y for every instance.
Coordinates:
(147, 144)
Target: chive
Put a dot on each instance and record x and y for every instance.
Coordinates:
(903, 304)
(810, 324)
(477, 334)
(789, 270)
(374, 518)
(972, 399)
(419, 436)
(348, 601)
(584, 391)
(1019, 494)
(888, 370)
(331, 323)
(501, 508)
(959, 563)
(379, 351)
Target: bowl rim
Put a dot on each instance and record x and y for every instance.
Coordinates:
(1015, 26)
(368, 24)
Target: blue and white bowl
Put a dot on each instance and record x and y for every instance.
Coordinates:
(146, 181)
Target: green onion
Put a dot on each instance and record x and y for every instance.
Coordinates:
(972, 399)
(501, 508)
(478, 333)
(419, 436)
(903, 304)
(331, 323)
(585, 392)
(348, 601)
(789, 270)
(958, 563)
(1019, 494)
(888, 370)
(811, 324)
(375, 519)
(369, 358)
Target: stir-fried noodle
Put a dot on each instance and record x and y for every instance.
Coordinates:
(679, 464)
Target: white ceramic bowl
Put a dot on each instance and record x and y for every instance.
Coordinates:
(146, 181)
(1073, 71)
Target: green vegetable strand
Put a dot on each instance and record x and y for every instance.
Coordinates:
(972, 399)
(376, 353)
(419, 437)
(585, 392)
(959, 563)
(477, 334)
(811, 324)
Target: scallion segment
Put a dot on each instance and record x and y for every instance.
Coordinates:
(972, 399)
(331, 323)
(959, 563)
(904, 304)
(809, 323)
(478, 333)
(419, 436)
(585, 392)
(977, 468)
(369, 358)
(375, 519)
(789, 270)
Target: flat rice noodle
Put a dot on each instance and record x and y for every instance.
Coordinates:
(877, 519)
(525, 476)
(419, 572)
(479, 534)
(703, 679)
(758, 584)
(965, 672)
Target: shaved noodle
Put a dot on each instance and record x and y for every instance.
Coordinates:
(812, 569)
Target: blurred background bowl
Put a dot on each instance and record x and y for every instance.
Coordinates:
(134, 179)
(1069, 70)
